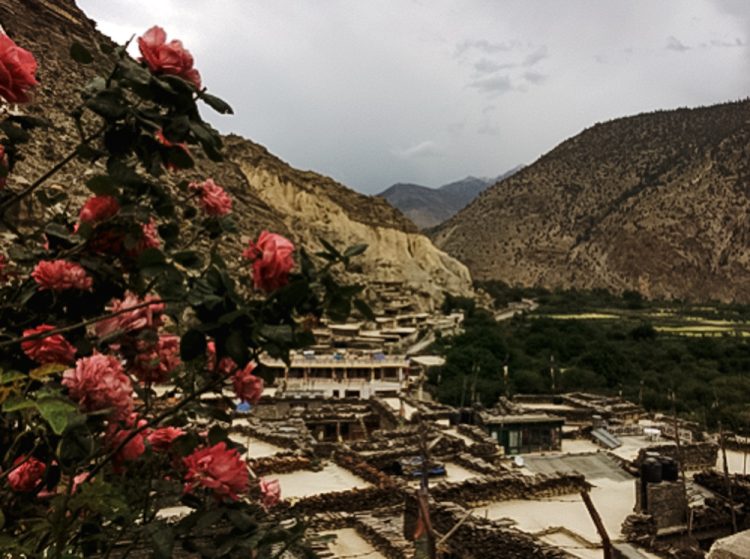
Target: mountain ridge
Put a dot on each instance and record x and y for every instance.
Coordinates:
(428, 207)
(656, 202)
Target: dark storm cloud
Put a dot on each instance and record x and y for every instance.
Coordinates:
(374, 93)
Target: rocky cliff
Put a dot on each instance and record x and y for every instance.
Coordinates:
(268, 193)
(657, 202)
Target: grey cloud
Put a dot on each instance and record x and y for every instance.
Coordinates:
(673, 43)
(486, 46)
(535, 77)
(487, 66)
(537, 56)
(488, 129)
(494, 84)
(728, 44)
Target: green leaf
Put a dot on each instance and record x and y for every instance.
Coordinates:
(17, 403)
(108, 104)
(80, 54)
(192, 345)
(56, 412)
(76, 446)
(59, 231)
(188, 258)
(151, 257)
(7, 377)
(162, 539)
(330, 248)
(219, 105)
(102, 185)
(217, 434)
(355, 250)
(236, 347)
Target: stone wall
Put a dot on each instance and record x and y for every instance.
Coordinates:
(695, 456)
(508, 486)
(280, 464)
(353, 500)
(479, 538)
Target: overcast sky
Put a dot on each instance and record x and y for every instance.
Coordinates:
(373, 92)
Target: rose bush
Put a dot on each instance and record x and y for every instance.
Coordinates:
(104, 296)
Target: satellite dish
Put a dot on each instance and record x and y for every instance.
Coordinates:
(518, 461)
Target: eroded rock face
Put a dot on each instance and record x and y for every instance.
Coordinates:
(267, 193)
(656, 202)
(314, 207)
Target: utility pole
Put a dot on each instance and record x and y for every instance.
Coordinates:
(727, 483)
(688, 517)
(606, 542)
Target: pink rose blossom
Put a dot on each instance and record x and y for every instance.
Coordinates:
(247, 386)
(98, 209)
(272, 261)
(51, 349)
(226, 366)
(219, 469)
(59, 275)
(148, 316)
(17, 71)
(134, 448)
(26, 474)
(154, 362)
(163, 437)
(98, 382)
(213, 199)
(167, 58)
(270, 491)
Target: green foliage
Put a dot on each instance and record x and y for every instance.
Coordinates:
(625, 356)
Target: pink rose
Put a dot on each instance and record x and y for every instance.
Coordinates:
(98, 382)
(148, 316)
(226, 366)
(247, 386)
(154, 362)
(59, 275)
(163, 437)
(133, 449)
(149, 239)
(219, 469)
(98, 209)
(213, 199)
(167, 58)
(272, 261)
(270, 491)
(17, 69)
(52, 349)
(26, 475)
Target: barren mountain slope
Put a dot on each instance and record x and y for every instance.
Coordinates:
(397, 252)
(657, 202)
(314, 206)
